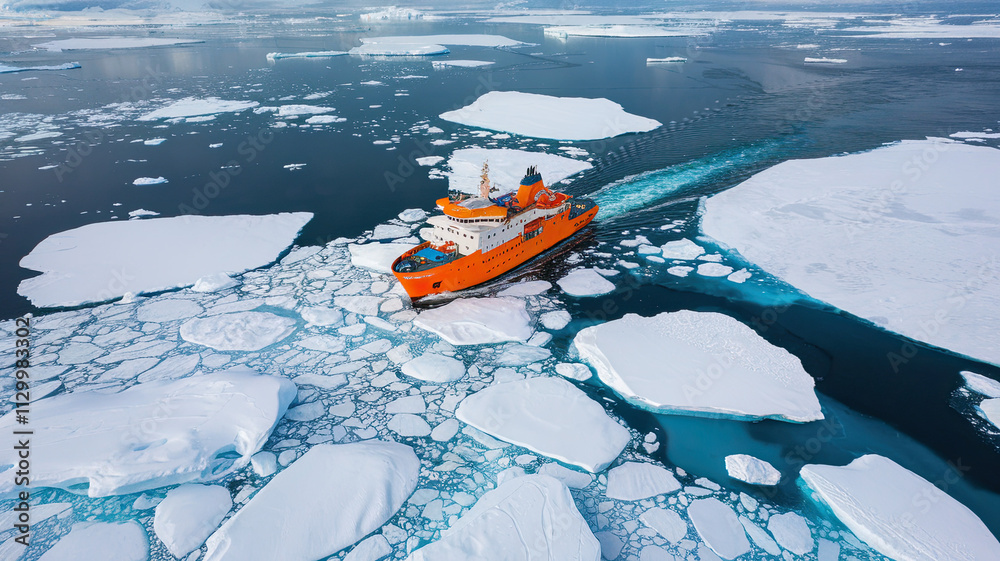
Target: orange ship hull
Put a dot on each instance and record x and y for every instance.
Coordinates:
(470, 270)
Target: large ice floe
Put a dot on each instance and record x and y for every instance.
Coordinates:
(189, 514)
(197, 107)
(550, 416)
(532, 517)
(238, 331)
(506, 167)
(150, 435)
(900, 236)
(424, 45)
(102, 261)
(899, 513)
(82, 43)
(5, 69)
(328, 499)
(718, 367)
(543, 116)
(100, 541)
(475, 321)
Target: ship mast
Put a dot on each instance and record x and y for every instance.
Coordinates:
(484, 181)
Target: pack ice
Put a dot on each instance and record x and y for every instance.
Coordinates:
(506, 165)
(328, 499)
(102, 261)
(476, 321)
(544, 116)
(901, 236)
(550, 416)
(532, 517)
(150, 435)
(899, 513)
(717, 367)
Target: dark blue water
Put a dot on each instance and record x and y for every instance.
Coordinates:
(743, 102)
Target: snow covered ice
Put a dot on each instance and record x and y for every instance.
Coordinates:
(881, 235)
(543, 116)
(102, 444)
(101, 541)
(475, 321)
(329, 499)
(718, 367)
(529, 517)
(104, 260)
(751, 470)
(633, 481)
(434, 368)
(875, 497)
(585, 282)
(238, 331)
(549, 416)
(506, 167)
(719, 526)
(195, 107)
(189, 514)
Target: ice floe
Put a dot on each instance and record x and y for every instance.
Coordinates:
(434, 368)
(305, 54)
(100, 541)
(550, 416)
(989, 409)
(238, 331)
(102, 261)
(791, 532)
(461, 63)
(981, 384)
(633, 481)
(149, 180)
(188, 515)
(103, 444)
(543, 116)
(4, 69)
(620, 31)
(476, 321)
(824, 60)
(683, 249)
(883, 235)
(751, 470)
(82, 43)
(330, 498)
(195, 107)
(506, 167)
(585, 282)
(899, 513)
(528, 517)
(719, 367)
(377, 256)
(718, 525)
(665, 522)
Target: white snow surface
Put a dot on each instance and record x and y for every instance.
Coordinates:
(477, 321)
(883, 503)
(981, 384)
(305, 54)
(507, 167)
(532, 517)
(989, 409)
(100, 541)
(791, 532)
(751, 470)
(719, 527)
(329, 499)
(149, 180)
(718, 367)
(585, 282)
(434, 368)
(455, 39)
(81, 43)
(550, 416)
(102, 261)
(377, 256)
(124, 443)
(633, 481)
(189, 514)
(883, 235)
(238, 331)
(543, 116)
(195, 107)
(461, 63)
(619, 31)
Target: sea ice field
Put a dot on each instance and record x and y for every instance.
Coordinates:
(776, 340)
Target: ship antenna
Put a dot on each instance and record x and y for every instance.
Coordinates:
(484, 182)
